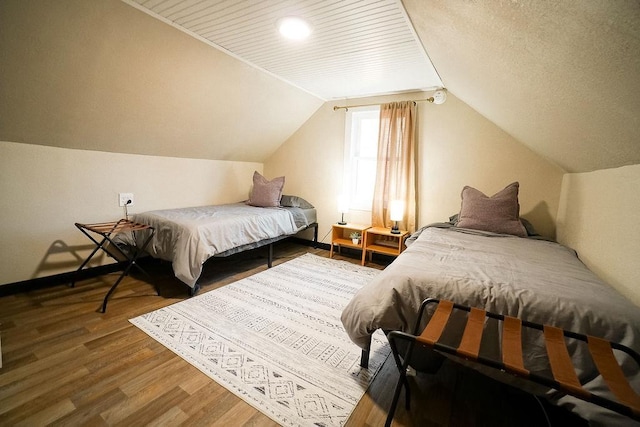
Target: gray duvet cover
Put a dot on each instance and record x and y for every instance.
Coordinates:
(189, 236)
(536, 280)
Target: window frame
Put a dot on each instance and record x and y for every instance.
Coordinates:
(352, 148)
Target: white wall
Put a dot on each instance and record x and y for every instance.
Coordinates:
(456, 147)
(598, 217)
(45, 190)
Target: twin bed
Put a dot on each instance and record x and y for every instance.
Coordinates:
(520, 276)
(187, 237)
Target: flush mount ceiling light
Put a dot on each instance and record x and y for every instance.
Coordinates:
(294, 28)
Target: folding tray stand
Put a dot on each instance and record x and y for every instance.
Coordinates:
(108, 230)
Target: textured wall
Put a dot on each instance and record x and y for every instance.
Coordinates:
(561, 76)
(45, 190)
(598, 217)
(102, 75)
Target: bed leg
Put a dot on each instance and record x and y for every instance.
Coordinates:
(364, 356)
(194, 291)
(270, 256)
(315, 237)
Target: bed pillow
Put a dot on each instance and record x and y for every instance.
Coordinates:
(499, 213)
(266, 193)
(295, 202)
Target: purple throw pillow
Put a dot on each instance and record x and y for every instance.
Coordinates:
(499, 213)
(266, 193)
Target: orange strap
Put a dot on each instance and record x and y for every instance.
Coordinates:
(512, 346)
(561, 365)
(612, 373)
(472, 335)
(433, 331)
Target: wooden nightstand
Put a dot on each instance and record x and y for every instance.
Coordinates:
(340, 236)
(382, 241)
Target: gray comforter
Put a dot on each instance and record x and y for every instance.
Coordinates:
(536, 280)
(189, 236)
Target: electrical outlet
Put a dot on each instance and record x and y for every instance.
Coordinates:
(123, 198)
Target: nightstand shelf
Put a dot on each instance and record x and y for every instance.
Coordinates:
(383, 241)
(340, 236)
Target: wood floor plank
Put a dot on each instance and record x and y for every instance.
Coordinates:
(31, 373)
(206, 397)
(47, 415)
(156, 408)
(113, 380)
(23, 397)
(209, 414)
(260, 420)
(173, 417)
(237, 414)
(170, 372)
(87, 413)
(194, 380)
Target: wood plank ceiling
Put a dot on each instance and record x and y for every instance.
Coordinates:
(356, 48)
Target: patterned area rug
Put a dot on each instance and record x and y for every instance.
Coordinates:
(275, 339)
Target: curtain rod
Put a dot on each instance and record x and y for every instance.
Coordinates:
(336, 107)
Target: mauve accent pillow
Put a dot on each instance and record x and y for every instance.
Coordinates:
(499, 213)
(266, 193)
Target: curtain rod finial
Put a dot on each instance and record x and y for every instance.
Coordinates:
(439, 97)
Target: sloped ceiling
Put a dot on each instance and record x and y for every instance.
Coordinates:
(356, 47)
(563, 76)
(103, 76)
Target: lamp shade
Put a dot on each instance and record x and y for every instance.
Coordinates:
(396, 210)
(343, 204)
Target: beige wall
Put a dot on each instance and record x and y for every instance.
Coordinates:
(104, 76)
(598, 217)
(456, 147)
(45, 190)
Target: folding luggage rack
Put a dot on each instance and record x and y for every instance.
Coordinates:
(622, 398)
(107, 231)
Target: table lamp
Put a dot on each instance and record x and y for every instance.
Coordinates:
(343, 207)
(396, 212)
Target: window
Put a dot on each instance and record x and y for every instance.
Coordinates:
(361, 152)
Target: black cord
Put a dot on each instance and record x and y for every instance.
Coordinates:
(126, 211)
(325, 236)
(544, 411)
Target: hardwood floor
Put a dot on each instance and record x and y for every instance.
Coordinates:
(64, 363)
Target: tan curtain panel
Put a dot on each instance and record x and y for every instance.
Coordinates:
(396, 171)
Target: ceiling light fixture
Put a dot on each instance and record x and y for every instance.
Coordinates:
(294, 28)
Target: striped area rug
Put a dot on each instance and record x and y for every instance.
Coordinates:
(275, 339)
